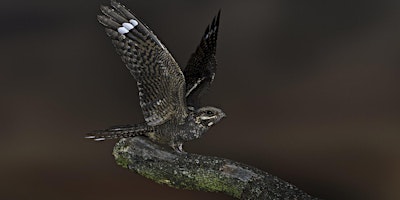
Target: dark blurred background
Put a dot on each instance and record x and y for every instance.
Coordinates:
(311, 90)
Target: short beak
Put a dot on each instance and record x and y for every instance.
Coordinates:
(223, 115)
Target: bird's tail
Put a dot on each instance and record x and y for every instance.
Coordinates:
(117, 132)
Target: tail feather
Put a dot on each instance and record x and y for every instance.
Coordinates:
(117, 132)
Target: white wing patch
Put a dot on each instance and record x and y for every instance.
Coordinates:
(122, 30)
(133, 22)
(126, 27)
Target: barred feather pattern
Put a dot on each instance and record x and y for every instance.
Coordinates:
(117, 132)
(201, 67)
(160, 81)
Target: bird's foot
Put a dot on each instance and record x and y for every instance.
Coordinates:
(179, 148)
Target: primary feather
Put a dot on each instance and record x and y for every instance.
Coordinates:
(200, 70)
(160, 80)
(161, 83)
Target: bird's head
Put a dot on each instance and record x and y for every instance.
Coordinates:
(208, 116)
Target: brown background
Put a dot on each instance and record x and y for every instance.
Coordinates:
(311, 90)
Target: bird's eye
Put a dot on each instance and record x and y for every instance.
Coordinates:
(209, 112)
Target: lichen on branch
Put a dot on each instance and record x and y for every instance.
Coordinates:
(199, 172)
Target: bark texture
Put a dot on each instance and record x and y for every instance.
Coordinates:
(199, 172)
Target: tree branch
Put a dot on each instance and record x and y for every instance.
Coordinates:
(198, 172)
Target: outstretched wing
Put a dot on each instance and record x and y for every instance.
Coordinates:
(160, 81)
(200, 70)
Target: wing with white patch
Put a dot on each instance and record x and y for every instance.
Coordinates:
(160, 81)
(200, 70)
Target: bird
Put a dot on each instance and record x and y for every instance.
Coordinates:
(168, 96)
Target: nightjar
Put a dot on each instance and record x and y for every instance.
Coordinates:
(169, 98)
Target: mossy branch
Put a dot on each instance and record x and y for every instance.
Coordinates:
(198, 172)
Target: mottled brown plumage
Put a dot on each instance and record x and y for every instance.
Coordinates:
(200, 70)
(163, 90)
